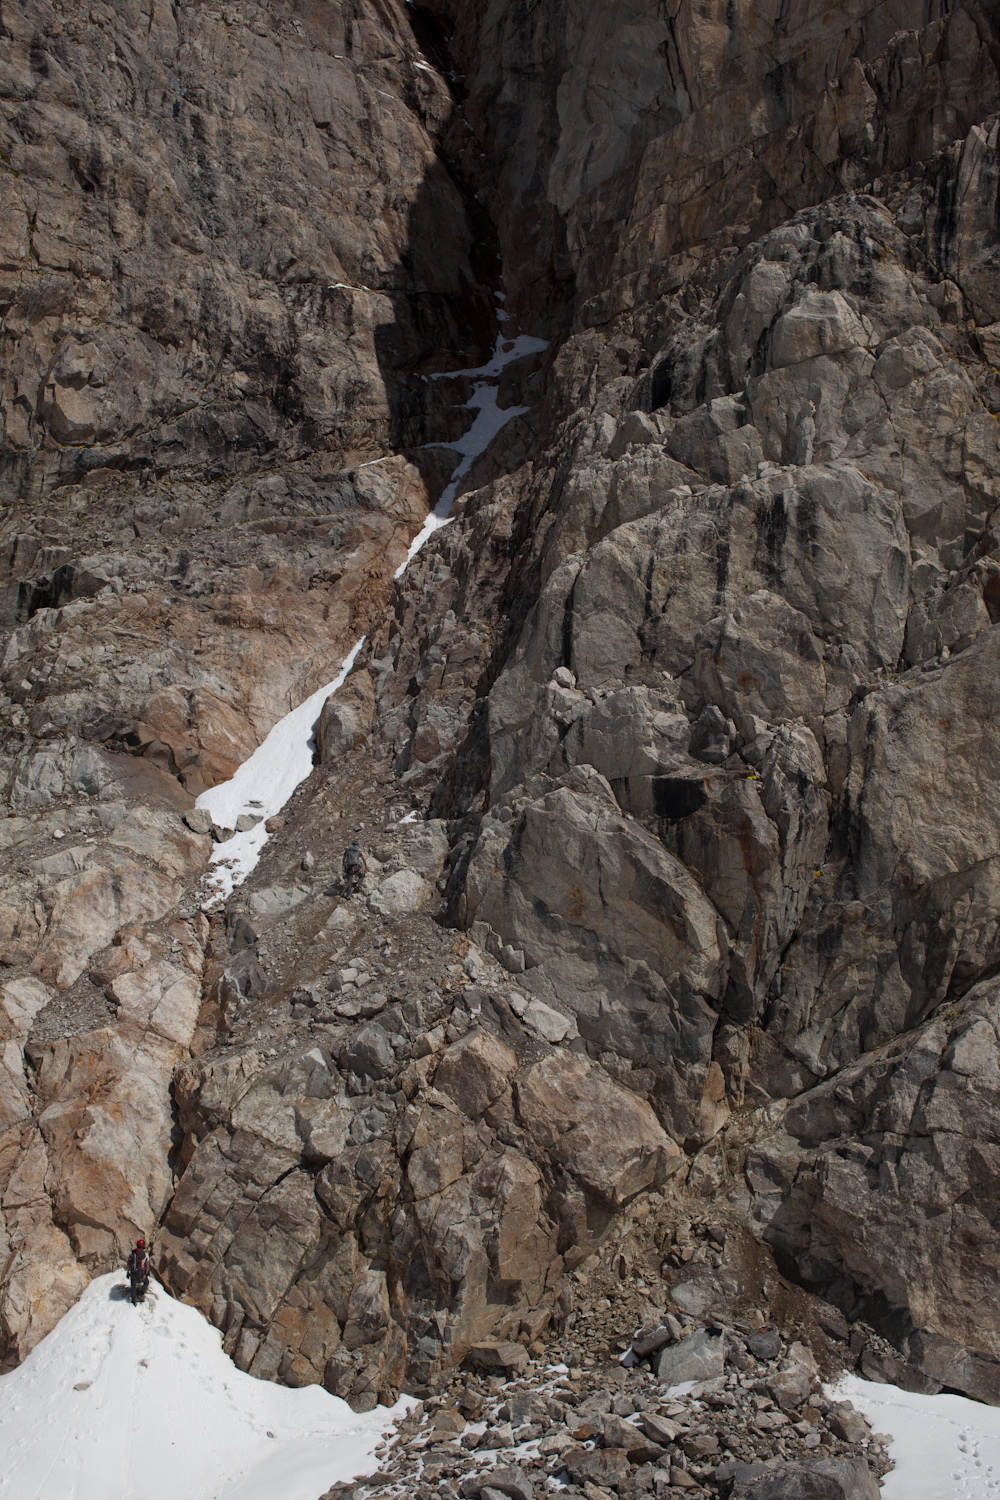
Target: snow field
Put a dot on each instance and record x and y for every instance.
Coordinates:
(944, 1447)
(140, 1403)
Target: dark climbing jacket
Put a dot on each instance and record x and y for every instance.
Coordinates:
(138, 1266)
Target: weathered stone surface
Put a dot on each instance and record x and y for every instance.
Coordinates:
(140, 371)
(824, 1479)
(701, 1356)
(608, 1140)
(405, 891)
(597, 1466)
(506, 1357)
(693, 704)
(545, 877)
(274, 901)
(504, 1479)
(638, 184)
(475, 1071)
(617, 1433)
(92, 1166)
(927, 1105)
(85, 911)
(346, 718)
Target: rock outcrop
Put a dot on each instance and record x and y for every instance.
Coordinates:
(878, 1185)
(347, 1215)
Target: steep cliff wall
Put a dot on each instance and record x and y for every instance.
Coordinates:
(694, 702)
(213, 217)
(626, 142)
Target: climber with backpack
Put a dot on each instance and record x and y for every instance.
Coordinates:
(138, 1271)
(355, 868)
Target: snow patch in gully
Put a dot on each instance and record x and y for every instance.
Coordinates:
(490, 420)
(264, 783)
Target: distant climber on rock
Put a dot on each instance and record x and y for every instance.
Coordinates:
(138, 1271)
(355, 868)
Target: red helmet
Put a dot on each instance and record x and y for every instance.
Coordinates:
(140, 1244)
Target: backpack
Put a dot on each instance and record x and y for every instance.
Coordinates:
(352, 860)
(138, 1263)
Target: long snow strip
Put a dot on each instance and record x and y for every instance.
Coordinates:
(264, 783)
(140, 1403)
(944, 1447)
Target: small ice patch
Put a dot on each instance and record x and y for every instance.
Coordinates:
(490, 420)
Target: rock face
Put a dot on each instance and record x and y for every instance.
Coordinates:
(717, 807)
(652, 136)
(220, 205)
(875, 1181)
(87, 1127)
(330, 1247)
(693, 702)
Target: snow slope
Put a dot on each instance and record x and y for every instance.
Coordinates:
(124, 1403)
(944, 1447)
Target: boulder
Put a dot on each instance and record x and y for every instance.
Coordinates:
(634, 427)
(406, 891)
(199, 820)
(823, 1479)
(700, 1356)
(274, 901)
(425, 847)
(849, 1425)
(606, 1138)
(346, 718)
(549, 1023)
(475, 1071)
(368, 1052)
(494, 1358)
(605, 1468)
(503, 1479)
(765, 1344)
(635, 1442)
(718, 440)
(661, 1429)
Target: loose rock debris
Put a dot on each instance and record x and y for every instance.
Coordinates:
(599, 1429)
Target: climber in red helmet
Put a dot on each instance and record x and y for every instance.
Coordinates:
(138, 1271)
